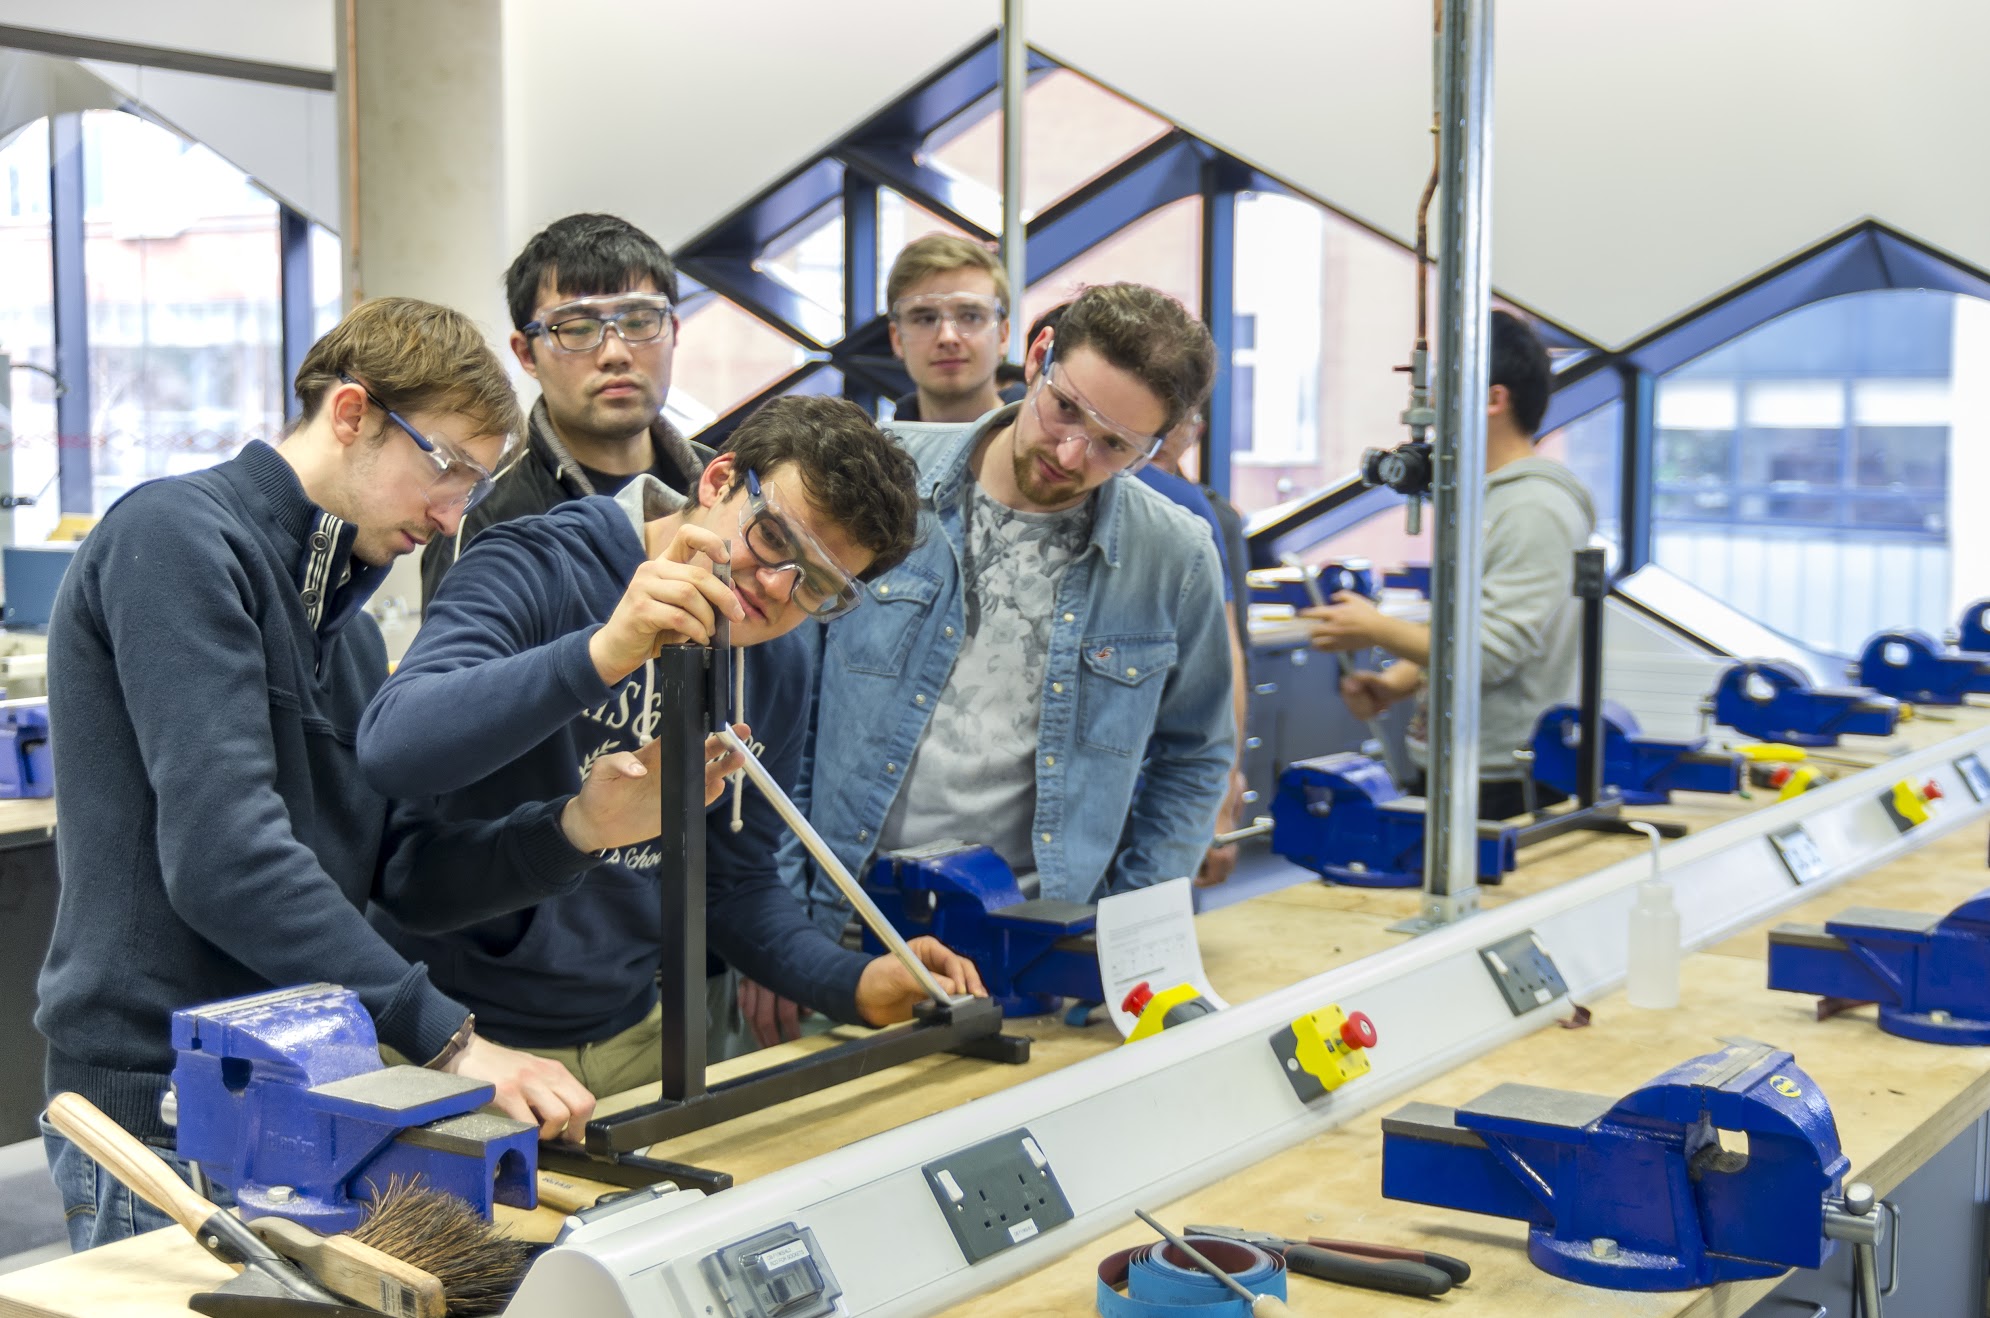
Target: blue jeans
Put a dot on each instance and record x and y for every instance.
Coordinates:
(97, 1207)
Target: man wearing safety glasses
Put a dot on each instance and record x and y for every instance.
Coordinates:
(210, 659)
(949, 307)
(1048, 673)
(535, 659)
(594, 322)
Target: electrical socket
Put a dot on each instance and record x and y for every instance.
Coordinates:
(997, 1194)
(1524, 971)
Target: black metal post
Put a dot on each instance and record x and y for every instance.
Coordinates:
(1589, 588)
(681, 722)
(299, 311)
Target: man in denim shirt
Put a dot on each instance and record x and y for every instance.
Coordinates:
(1049, 672)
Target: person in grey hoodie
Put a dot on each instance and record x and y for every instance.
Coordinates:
(1537, 515)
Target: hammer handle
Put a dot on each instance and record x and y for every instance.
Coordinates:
(124, 1156)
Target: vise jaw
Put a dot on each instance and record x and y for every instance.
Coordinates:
(1912, 666)
(1771, 700)
(1929, 974)
(282, 1097)
(1342, 817)
(1644, 770)
(1030, 952)
(1652, 1192)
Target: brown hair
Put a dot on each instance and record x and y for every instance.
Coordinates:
(854, 473)
(414, 357)
(936, 254)
(1147, 334)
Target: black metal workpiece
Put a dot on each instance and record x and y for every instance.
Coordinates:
(694, 686)
(1597, 809)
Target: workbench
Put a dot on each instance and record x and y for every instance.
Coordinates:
(1897, 1102)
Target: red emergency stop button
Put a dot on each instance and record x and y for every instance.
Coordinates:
(1136, 999)
(1931, 792)
(1358, 1031)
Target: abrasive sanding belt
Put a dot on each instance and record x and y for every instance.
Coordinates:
(1158, 1285)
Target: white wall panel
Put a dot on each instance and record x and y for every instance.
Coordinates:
(294, 32)
(1647, 157)
(687, 110)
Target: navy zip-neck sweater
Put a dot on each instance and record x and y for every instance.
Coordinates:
(215, 836)
(498, 702)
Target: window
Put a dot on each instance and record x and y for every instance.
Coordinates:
(1073, 131)
(809, 261)
(1163, 249)
(724, 356)
(327, 281)
(183, 275)
(1331, 312)
(1802, 472)
(27, 334)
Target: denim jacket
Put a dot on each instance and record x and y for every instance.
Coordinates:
(1137, 734)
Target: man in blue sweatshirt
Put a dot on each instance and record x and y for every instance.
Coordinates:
(546, 627)
(209, 661)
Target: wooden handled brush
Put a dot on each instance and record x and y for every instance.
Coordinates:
(148, 1176)
(419, 1253)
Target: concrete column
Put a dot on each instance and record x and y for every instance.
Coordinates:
(421, 137)
(422, 197)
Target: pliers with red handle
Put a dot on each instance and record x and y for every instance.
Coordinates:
(1391, 1268)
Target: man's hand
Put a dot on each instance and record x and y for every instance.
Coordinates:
(887, 993)
(1219, 863)
(621, 802)
(1348, 622)
(1368, 692)
(534, 1089)
(672, 598)
(772, 1018)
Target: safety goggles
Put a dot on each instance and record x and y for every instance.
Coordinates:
(1064, 413)
(971, 314)
(580, 325)
(460, 481)
(822, 590)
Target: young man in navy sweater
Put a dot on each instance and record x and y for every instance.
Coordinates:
(209, 662)
(547, 625)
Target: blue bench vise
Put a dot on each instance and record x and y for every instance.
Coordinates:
(1973, 632)
(1342, 817)
(1644, 770)
(1771, 700)
(1638, 1193)
(1284, 585)
(1030, 952)
(1912, 666)
(282, 1097)
(1930, 974)
(26, 766)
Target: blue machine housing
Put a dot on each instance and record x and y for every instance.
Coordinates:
(283, 1099)
(1647, 1171)
(1973, 633)
(1771, 700)
(1030, 952)
(1284, 585)
(1912, 666)
(1930, 974)
(1342, 817)
(1644, 770)
(26, 766)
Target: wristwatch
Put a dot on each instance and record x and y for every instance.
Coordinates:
(457, 1043)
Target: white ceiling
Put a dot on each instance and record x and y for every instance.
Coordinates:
(1647, 156)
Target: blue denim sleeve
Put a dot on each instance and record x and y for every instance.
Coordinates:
(1187, 772)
